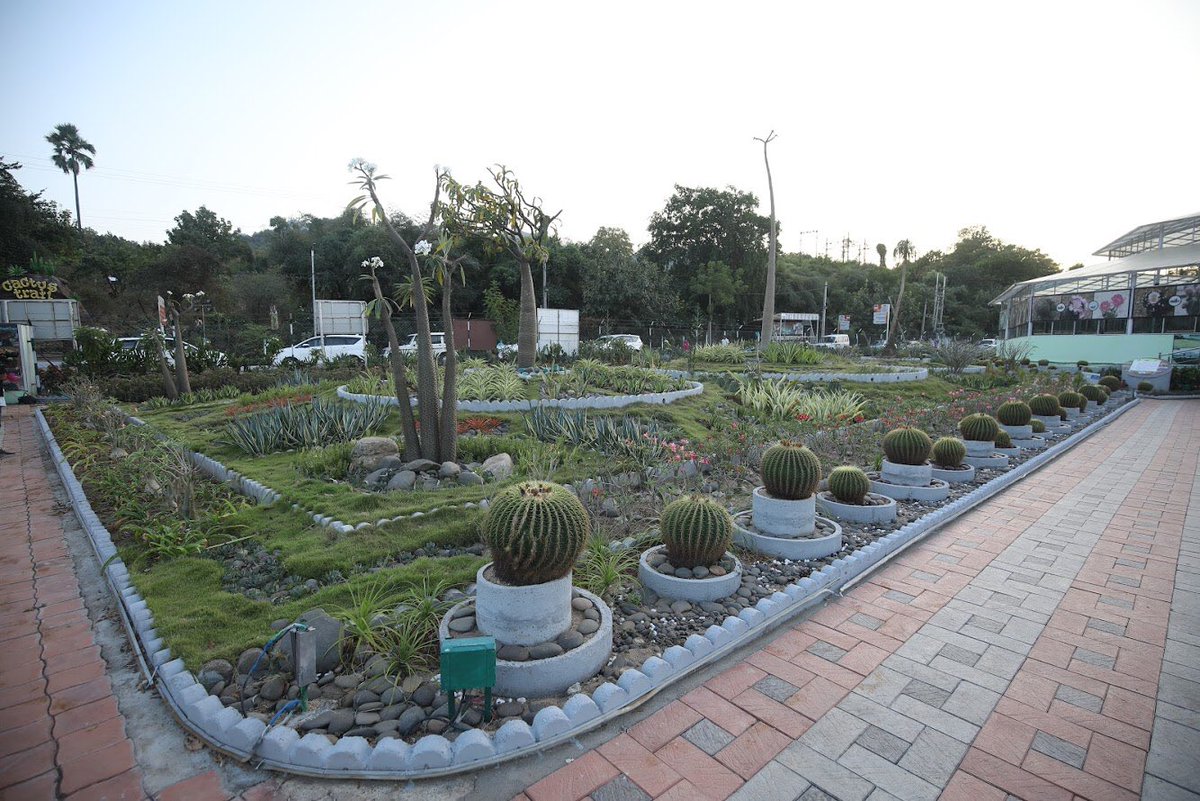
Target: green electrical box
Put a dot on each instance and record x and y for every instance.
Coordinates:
(469, 663)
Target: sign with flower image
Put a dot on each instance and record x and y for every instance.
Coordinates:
(1110, 305)
(1168, 301)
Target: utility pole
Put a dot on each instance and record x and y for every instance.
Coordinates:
(824, 306)
(318, 322)
(801, 235)
(939, 305)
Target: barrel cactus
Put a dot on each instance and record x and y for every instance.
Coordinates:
(979, 427)
(696, 530)
(1071, 400)
(1144, 386)
(1014, 413)
(1111, 383)
(1044, 405)
(1093, 393)
(1003, 440)
(949, 452)
(907, 446)
(790, 471)
(849, 484)
(535, 530)
(1037, 426)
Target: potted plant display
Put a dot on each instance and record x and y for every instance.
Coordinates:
(979, 433)
(1014, 417)
(782, 520)
(694, 562)
(947, 456)
(849, 498)
(905, 472)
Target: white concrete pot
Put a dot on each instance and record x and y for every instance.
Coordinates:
(785, 547)
(1018, 432)
(909, 475)
(993, 461)
(1051, 420)
(856, 513)
(954, 475)
(935, 490)
(1035, 442)
(977, 447)
(525, 615)
(779, 517)
(1010, 452)
(689, 589)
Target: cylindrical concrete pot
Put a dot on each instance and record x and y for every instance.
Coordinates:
(1034, 443)
(689, 589)
(522, 615)
(993, 462)
(745, 534)
(977, 447)
(935, 490)
(1009, 452)
(1051, 420)
(1018, 432)
(954, 475)
(859, 513)
(909, 475)
(779, 517)
(1072, 413)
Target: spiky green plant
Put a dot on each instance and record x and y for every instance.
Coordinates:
(907, 446)
(696, 530)
(535, 530)
(1014, 413)
(1044, 405)
(1071, 400)
(849, 484)
(1093, 393)
(949, 452)
(1003, 440)
(979, 427)
(1111, 383)
(790, 471)
(1037, 426)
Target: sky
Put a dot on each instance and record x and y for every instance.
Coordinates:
(1058, 125)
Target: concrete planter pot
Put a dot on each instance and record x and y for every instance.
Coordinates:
(1072, 413)
(689, 589)
(524, 615)
(954, 475)
(995, 461)
(1017, 432)
(1009, 452)
(909, 475)
(935, 490)
(977, 447)
(1052, 421)
(779, 517)
(745, 533)
(538, 678)
(1035, 442)
(856, 513)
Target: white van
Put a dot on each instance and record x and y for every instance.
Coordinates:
(833, 341)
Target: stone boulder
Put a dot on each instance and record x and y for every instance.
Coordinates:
(328, 632)
(368, 455)
(499, 467)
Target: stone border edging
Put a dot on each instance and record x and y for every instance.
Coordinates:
(895, 376)
(282, 748)
(593, 402)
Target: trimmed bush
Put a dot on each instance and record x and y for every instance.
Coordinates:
(907, 446)
(849, 484)
(1111, 383)
(1144, 386)
(535, 531)
(696, 530)
(1043, 362)
(979, 427)
(949, 452)
(1003, 440)
(1045, 405)
(1081, 363)
(1014, 413)
(790, 471)
(1038, 426)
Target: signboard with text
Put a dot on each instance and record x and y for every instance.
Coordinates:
(880, 313)
(843, 322)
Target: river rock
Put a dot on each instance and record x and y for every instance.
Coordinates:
(221, 667)
(341, 721)
(545, 650)
(404, 480)
(499, 467)
(247, 659)
(422, 465)
(412, 717)
(368, 454)
(462, 624)
(328, 632)
(273, 688)
(513, 653)
(468, 479)
(449, 470)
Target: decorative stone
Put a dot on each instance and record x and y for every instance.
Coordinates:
(498, 467)
(463, 624)
(431, 751)
(408, 722)
(404, 480)
(545, 650)
(349, 753)
(389, 754)
(581, 604)
(569, 640)
(367, 455)
(513, 653)
(472, 745)
(469, 479)
(588, 626)
(550, 722)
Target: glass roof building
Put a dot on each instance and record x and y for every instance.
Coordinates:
(1142, 301)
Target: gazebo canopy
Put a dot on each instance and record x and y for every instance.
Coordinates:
(1154, 236)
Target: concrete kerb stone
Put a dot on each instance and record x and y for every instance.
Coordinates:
(598, 402)
(281, 748)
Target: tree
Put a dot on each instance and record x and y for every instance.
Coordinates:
(617, 285)
(512, 222)
(382, 307)
(881, 249)
(768, 311)
(71, 152)
(904, 252)
(30, 226)
(718, 283)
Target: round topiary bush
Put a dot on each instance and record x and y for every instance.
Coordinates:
(1111, 383)
(907, 446)
(849, 484)
(1003, 440)
(979, 427)
(949, 452)
(696, 530)
(1144, 386)
(1014, 413)
(1038, 426)
(1081, 363)
(1044, 405)
(790, 471)
(535, 530)
(1071, 400)
(1043, 362)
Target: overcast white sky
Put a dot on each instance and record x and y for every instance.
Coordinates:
(1059, 125)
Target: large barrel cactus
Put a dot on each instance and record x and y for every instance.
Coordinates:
(1071, 400)
(907, 446)
(849, 484)
(1003, 440)
(1093, 393)
(1044, 405)
(1014, 413)
(979, 427)
(790, 471)
(535, 530)
(949, 452)
(1037, 426)
(1111, 383)
(696, 530)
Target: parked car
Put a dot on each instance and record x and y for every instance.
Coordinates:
(330, 346)
(135, 345)
(987, 344)
(833, 341)
(437, 341)
(631, 341)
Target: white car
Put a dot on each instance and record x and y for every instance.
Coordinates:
(134, 344)
(324, 348)
(437, 342)
(987, 344)
(631, 341)
(833, 341)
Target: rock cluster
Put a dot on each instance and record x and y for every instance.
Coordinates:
(585, 621)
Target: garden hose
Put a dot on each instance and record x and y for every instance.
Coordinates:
(270, 644)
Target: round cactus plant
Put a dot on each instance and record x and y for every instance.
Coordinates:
(1093, 393)
(1111, 383)
(790, 471)
(979, 427)
(1003, 440)
(1044, 405)
(1104, 395)
(1014, 413)
(1071, 400)
(907, 446)
(535, 530)
(1037, 426)
(849, 484)
(949, 452)
(1144, 386)
(696, 530)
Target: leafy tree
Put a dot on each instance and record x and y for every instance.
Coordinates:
(31, 227)
(768, 310)
(71, 153)
(505, 313)
(881, 249)
(717, 282)
(619, 285)
(210, 233)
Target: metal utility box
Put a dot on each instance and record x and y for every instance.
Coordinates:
(340, 317)
(558, 327)
(469, 663)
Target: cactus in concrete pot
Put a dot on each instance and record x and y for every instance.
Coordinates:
(907, 446)
(1093, 393)
(949, 452)
(979, 427)
(1111, 383)
(1003, 440)
(1071, 400)
(849, 484)
(696, 530)
(1037, 426)
(1044, 405)
(1014, 413)
(790, 471)
(535, 530)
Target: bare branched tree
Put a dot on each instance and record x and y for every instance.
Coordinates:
(768, 314)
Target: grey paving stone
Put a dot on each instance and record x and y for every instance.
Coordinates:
(934, 757)
(1003, 599)
(1177, 690)
(961, 655)
(878, 741)
(1094, 658)
(825, 774)
(1104, 625)
(879, 794)
(1037, 561)
(985, 623)
(1155, 789)
(883, 684)
(621, 788)
(1079, 698)
(775, 782)
(708, 737)
(944, 722)
(966, 544)
(866, 621)
(1022, 578)
(1136, 564)
(826, 650)
(899, 597)
(816, 794)
(1125, 581)
(926, 693)
(947, 558)
(833, 733)
(1025, 631)
(1172, 756)
(882, 773)
(919, 648)
(971, 702)
(924, 575)
(881, 716)
(1060, 749)
(1139, 549)
(775, 687)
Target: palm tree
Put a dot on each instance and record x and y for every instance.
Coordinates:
(71, 151)
(881, 249)
(904, 252)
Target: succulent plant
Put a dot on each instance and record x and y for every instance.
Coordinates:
(1014, 413)
(696, 530)
(1111, 383)
(1037, 426)
(1144, 386)
(1083, 402)
(535, 530)
(790, 471)
(1104, 398)
(979, 427)
(849, 484)
(1093, 393)
(1044, 405)
(1003, 440)
(949, 452)
(1071, 400)
(907, 446)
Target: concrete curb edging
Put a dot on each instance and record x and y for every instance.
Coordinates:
(280, 748)
(895, 376)
(594, 402)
